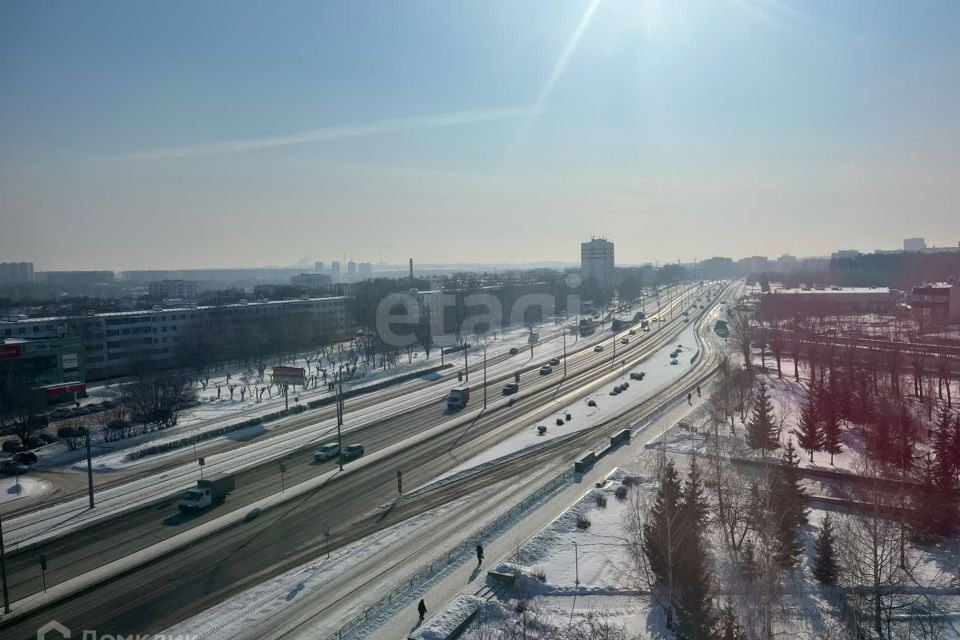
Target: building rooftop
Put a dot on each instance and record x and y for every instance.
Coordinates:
(147, 312)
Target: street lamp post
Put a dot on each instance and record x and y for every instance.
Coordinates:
(3, 571)
(564, 351)
(484, 376)
(340, 417)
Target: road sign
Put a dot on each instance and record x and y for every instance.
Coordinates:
(516, 377)
(43, 561)
(399, 481)
(202, 461)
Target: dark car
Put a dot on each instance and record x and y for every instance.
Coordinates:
(555, 361)
(514, 351)
(352, 452)
(637, 375)
(510, 388)
(11, 467)
(26, 457)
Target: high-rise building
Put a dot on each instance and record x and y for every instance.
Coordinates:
(16, 272)
(596, 261)
(318, 267)
(352, 268)
(335, 268)
(173, 289)
(364, 268)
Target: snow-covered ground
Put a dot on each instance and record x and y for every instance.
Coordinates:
(659, 374)
(18, 488)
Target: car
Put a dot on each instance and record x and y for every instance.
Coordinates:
(624, 386)
(598, 348)
(11, 467)
(554, 362)
(615, 391)
(625, 341)
(510, 388)
(674, 361)
(637, 375)
(26, 457)
(351, 452)
(514, 351)
(632, 332)
(545, 369)
(328, 451)
(559, 422)
(591, 403)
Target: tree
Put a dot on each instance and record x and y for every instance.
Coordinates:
(762, 430)
(729, 627)
(943, 448)
(810, 437)
(741, 330)
(789, 506)
(662, 536)
(825, 555)
(20, 409)
(695, 506)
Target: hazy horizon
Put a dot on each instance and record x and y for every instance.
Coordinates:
(232, 134)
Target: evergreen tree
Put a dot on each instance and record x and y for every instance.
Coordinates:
(825, 556)
(663, 531)
(789, 505)
(695, 618)
(809, 433)
(748, 562)
(729, 627)
(945, 470)
(863, 406)
(761, 430)
(879, 439)
(695, 507)
(927, 518)
(831, 433)
(905, 438)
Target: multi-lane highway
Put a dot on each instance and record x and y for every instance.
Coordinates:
(194, 577)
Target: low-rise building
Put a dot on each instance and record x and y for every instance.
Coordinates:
(115, 342)
(827, 301)
(54, 367)
(936, 303)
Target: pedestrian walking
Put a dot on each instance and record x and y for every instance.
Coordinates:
(689, 398)
(422, 609)
(698, 391)
(479, 554)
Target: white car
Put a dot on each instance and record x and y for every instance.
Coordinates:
(328, 451)
(545, 369)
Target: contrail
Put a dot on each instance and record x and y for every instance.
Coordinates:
(327, 134)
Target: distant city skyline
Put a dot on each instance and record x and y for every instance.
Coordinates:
(223, 134)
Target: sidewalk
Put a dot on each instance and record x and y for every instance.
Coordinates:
(467, 579)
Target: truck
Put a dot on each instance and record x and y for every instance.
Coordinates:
(208, 492)
(458, 398)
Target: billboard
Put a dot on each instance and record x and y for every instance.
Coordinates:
(70, 362)
(289, 375)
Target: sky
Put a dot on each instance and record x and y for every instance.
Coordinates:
(182, 134)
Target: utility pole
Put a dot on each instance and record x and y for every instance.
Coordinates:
(89, 470)
(3, 571)
(466, 366)
(340, 417)
(564, 351)
(484, 376)
(614, 361)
